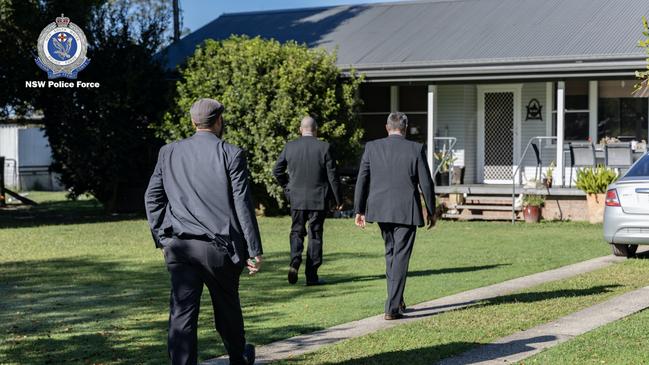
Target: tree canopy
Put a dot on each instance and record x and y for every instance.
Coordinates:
(100, 137)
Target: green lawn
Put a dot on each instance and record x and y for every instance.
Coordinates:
(622, 342)
(82, 287)
(452, 333)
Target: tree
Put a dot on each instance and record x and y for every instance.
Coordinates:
(644, 43)
(267, 88)
(100, 137)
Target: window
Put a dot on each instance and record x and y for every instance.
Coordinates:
(622, 118)
(413, 100)
(375, 110)
(620, 114)
(577, 115)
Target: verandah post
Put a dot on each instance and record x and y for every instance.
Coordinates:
(561, 113)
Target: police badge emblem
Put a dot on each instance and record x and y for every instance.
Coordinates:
(62, 48)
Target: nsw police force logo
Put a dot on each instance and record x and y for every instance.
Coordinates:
(62, 48)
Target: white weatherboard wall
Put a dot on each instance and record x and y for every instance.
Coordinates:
(457, 117)
(29, 156)
(33, 148)
(534, 128)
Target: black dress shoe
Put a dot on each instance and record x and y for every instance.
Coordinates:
(393, 316)
(249, 354)
(292, 275)
(317, 282)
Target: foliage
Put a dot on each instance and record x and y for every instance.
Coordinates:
(595, 180)
(533, 200)
(644, 43)
(549, 172)
(445, 160)
(100, 137)
(267, 88)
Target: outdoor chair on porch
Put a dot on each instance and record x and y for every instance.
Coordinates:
(618, 155)
(538, 168)
(582, 154)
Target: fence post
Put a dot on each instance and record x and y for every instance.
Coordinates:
(3, 202)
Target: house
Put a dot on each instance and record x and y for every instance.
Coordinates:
(27, 158)
(482, 78)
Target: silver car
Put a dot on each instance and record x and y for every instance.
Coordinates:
(626, 215)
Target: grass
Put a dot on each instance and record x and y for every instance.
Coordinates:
(621, 342)
(452, 333)
(79, 286)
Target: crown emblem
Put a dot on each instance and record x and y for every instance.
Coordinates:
(62, 21)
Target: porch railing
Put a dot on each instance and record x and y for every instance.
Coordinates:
(518, 168)
(447, 154)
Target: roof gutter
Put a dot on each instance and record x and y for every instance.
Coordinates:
(500, 72)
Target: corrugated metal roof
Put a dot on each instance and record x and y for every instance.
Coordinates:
(438, 34)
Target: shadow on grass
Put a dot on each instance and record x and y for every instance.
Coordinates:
(433, 354)
(530, 297)
(90, 310)
(60, 212)
(418, 273)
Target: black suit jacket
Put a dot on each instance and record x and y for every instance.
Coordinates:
(391, 173)
(311, 174)
(200, 188)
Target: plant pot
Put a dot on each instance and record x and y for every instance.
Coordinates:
(547, 182)
(532, 214)
(442, 178)
(595, 204)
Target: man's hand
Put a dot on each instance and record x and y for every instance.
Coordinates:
(360, 220)
(254, 264)
(431, 219)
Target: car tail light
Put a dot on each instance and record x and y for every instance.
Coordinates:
(612, 199)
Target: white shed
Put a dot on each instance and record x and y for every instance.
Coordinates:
(27, 158)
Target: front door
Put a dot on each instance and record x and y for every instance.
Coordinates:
(498, 132)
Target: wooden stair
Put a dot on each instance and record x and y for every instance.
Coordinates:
(483, 207)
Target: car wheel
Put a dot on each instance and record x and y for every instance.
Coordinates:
(624, 250)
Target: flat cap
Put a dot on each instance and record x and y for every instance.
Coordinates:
(206, 111)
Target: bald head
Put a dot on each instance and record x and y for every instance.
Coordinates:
(308, 126)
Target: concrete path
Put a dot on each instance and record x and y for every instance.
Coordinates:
(310, 342)
(524, 344)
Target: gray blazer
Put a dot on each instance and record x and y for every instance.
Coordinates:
(392, 171)
(200, 188)
(307, 172)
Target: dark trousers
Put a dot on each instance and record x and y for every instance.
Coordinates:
(399, 240)
(191, 264)
(315, 220)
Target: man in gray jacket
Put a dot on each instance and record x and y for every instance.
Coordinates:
(392, 172)
(201, 214)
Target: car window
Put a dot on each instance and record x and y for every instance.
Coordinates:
(641, 168)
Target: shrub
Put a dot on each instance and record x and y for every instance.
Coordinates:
(533, 200)
(595, 180)
(267, 88)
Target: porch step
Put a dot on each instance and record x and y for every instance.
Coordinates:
(478, 217)
(491, 200)
(487, 207)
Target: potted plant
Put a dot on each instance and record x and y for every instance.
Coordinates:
(594, 182)
(445, 161)
(532, 204)
(549, 173)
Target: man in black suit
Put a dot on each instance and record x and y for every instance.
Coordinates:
(392, 172)
(311, 178)
(201, 214)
